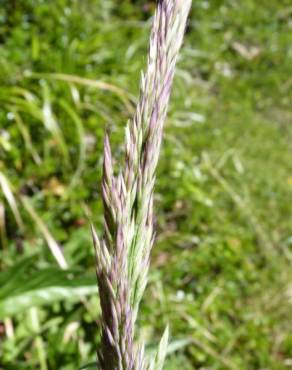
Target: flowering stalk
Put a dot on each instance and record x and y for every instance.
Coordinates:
(122, 256)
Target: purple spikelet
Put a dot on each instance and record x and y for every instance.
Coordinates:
(123, 256)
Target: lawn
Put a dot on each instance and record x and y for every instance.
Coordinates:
(221, 266)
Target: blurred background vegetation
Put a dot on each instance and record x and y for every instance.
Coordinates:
(221, 268)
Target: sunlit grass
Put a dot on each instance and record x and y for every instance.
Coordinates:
(223, 190)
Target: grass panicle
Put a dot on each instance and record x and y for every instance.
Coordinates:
(123, 255)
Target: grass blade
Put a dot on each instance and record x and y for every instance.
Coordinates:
(3, 237)
(82, 146)
(8, 194)
(50, 121)
(27, 138)
(42, 287)
(52, 244)
(125, 97)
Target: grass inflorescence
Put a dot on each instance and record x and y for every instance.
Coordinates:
(123, 255)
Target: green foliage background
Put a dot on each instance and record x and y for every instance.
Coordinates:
(221, 268)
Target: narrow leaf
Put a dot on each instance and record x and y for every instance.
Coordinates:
(52, 244)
